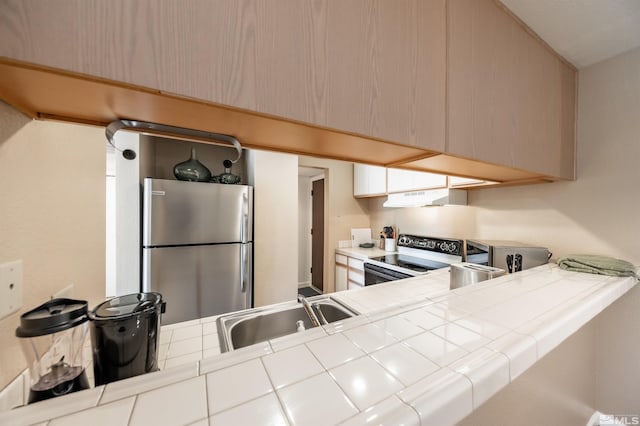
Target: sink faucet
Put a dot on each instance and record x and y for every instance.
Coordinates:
(309, 310)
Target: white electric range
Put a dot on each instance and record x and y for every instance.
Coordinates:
(416, 255)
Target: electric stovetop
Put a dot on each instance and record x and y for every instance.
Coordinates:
(412, 263)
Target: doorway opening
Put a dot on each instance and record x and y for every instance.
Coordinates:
(311, 232)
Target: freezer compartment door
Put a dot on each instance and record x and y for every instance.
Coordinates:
(180, 213)
(199, 281)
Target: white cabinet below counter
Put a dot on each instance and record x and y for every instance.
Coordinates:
(349, 273)
(342, 272)
(350, 266)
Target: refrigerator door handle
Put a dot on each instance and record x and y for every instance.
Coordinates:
(243, 268)
(245, 218)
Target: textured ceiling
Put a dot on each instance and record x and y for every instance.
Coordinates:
(583, 31)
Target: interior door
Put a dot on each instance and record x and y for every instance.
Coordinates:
(317, 234)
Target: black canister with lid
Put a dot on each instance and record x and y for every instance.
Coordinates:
(124, 336)
(52, 337)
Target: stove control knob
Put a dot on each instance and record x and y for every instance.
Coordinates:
(448, 247)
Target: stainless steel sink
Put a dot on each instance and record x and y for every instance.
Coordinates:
(245, 328)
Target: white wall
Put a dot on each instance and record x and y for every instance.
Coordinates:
(445, 222)
(617, 351)
(342, 211)
(610, 130)
(52, 216)
(275, 223)
(304, 226)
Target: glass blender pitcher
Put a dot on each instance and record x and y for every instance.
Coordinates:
(52, 337)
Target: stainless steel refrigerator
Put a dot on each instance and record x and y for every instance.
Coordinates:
(197, 247)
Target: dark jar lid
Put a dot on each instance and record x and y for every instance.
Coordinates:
(122, 307)
(52, 317)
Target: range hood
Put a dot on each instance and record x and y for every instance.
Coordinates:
(434, 197)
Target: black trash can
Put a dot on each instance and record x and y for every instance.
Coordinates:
(124, 336)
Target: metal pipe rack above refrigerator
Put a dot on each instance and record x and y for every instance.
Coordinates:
(164, 129)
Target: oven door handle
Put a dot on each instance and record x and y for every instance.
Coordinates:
(384, 273)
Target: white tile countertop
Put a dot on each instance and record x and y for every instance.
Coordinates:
(418, 353)
(362, 253)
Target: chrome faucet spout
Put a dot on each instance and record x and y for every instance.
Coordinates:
(309, 310)
(321, 315)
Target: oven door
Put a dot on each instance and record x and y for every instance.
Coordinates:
(374, 274)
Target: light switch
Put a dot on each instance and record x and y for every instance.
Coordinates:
(10, 287)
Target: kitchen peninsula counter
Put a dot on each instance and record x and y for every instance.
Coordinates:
(418, 353)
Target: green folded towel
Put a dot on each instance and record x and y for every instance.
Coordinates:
(602, 265)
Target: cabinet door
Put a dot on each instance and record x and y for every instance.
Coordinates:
(399, 180)
(386, 70)
(354, 286)
(341, 277)
(373, 67)
(356, 272)
(510, 98)
(369, 180)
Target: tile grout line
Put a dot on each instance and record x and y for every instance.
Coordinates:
(342, 389)
(508, 357)
(98, 402)
(327, 372)
(206, 391)
(275, 391)
(133, 407)
(390, 372)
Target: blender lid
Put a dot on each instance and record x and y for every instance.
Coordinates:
(126, 306)
(52, 317)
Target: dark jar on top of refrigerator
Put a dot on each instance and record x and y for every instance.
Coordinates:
(52, 338)
(124, 336)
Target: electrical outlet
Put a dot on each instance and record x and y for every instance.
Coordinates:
(10, 288)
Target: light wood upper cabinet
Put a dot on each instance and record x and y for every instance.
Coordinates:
(511, 100)
(457, 77)
(205, 50)
(371, 67)
(387, 70)
(292, 58)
